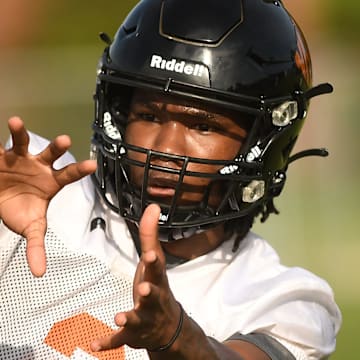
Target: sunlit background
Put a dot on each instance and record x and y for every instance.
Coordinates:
(48, 55)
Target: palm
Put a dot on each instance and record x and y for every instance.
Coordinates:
(26, 187)
(27, 184)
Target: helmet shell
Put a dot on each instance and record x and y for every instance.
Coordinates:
(251, 47)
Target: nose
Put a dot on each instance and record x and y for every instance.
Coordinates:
(171, 138)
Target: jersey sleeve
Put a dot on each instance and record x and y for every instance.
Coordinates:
(270, 346)
(306, 326)
(289, 304)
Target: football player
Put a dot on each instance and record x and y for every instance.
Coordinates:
(198, 105)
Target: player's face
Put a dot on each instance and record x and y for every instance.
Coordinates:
(176, 126)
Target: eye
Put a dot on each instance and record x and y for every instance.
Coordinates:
(117, 108)
(207, 127)
(203, 127)
(147, 116)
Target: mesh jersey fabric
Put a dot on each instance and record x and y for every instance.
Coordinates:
(58, 315)
(225, 293)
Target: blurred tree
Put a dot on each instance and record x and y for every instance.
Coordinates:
(79, 22)
(344, 19)
(21, 21)
(308, 13)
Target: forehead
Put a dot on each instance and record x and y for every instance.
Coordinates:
(162, 100)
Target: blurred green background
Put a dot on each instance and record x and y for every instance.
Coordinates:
(48, 55)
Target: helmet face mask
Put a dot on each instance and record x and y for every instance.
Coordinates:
(119, 160)
(237, 66)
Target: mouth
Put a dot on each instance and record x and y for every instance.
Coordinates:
(161, 187)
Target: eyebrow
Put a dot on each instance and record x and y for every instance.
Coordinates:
(195, 112)
(185, 110)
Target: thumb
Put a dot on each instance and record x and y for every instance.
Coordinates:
(35, 248)
(148, 229)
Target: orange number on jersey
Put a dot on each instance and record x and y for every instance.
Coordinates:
(78, 332)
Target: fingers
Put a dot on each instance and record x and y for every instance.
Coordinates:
(151, 267)
(112, 341)
(154, 267)
(74, 172)
(35, 249)
(138, 327)
(117, 338)
(55, 149)
(148, 229)
(131, 326)
(146, 285)
(19, 136)
(36, 259)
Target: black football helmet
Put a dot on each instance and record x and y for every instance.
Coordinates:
(245, 55)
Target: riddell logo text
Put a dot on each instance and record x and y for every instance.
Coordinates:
(178, 66)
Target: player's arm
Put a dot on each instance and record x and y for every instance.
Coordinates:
(194, 344)
(28, 183)
(157, 321)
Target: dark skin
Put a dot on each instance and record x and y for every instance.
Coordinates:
(182, 127)
(153, 320)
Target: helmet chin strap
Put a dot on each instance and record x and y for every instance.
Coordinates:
(168, 235)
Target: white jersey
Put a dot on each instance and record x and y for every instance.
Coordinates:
(89, 279)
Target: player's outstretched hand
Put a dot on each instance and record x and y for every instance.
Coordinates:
(154, 319)
(27, 184)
